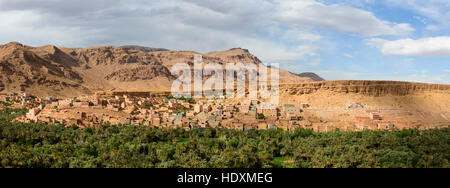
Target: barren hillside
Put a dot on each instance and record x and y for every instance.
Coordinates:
(49, 70)
(40, 70)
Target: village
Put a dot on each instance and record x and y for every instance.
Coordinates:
(187, 113)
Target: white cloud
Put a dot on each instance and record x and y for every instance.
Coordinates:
(349, 56)
(296, 34)
(345, 75)
(342, 18)
(272, 52)
(432, 28)
(406, 64)
(308, 37)
(421, 19)
(426, 78)
(175, 24)
(436, 10)
(447, 70)
(342, 75)
(182, 24)
(427, 47)
(314, 63)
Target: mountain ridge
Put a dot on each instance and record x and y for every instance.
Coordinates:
(60, 71)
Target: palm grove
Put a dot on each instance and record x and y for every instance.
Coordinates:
(54, 146)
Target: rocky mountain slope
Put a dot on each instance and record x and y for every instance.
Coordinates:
(49, 70)
(311, 75)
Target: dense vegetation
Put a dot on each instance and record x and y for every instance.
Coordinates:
(35, 145)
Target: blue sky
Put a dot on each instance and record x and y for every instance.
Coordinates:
(405, 40)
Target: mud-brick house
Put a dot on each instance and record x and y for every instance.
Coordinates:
(375, 116)
(190, 114)
(178, 122)
(244, 108)
(386, 126)
(229, 108)
(272, 126)
(97, 102)
(198, 108)
(292, 116)
(237, 125)
(218, 112)
(213, 124)
(4, 98)
(136, 122)
(227, 123)
(290, 108)
(32, 114)
(270, 113)
(66, 103)
(156, 122)
(186, 105)
(286, 124)
(294, 123)
(363, 123)
(54, 104)
(81, 115)
(146, 123)
(262, 125)
(227, 115)
(248, 127)
(245, 103)
(305, 105)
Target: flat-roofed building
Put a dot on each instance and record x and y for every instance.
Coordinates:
(375, 116)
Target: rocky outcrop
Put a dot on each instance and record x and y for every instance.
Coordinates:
(143, 49)
(140, 73)
(234, 55)
(112, 56)
(370, 88)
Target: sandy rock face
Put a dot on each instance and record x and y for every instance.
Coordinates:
(370, 88)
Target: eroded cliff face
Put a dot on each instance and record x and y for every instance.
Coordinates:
(369, 88)
(402, 104)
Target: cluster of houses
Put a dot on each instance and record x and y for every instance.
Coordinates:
(169, 112)
(158, 111)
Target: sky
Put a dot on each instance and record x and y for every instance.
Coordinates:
(405, 40)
